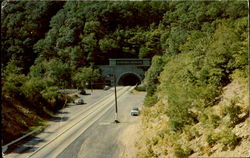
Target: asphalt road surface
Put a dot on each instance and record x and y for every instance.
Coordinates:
(85, 131)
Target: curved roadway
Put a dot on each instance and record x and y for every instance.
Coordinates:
(84, 131)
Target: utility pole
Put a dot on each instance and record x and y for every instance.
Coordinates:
(116, 110)
(91, 82)
(92, 69)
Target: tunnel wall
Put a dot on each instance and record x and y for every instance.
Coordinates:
(121, 70)
(128, 73)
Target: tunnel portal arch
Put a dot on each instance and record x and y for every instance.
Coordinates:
(129, 78)
(124, 69)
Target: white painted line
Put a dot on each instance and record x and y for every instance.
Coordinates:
(91, 112)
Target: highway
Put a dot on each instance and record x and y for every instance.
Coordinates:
(84, 131)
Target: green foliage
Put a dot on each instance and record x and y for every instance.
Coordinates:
(176, 125)
(181, 153)
(233, 111)
(151, 76)
(54, 100)
(12, 80)
(195, 77)
(50, 93)
(33, 86)
(23, 24)
(85, 75)
(214, 120)
(196, 49)
(212, 139)
(225, 137)
(229, 139)
(107, 44)
(150, 100)
(140, 88)
(152, 45)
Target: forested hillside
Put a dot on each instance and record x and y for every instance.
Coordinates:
(197, 48)
(48, 46)
(197, 102)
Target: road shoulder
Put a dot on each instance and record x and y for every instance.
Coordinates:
(128, 139)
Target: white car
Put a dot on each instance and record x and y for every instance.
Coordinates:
(135, 111)
(106, 88)
(79, 101)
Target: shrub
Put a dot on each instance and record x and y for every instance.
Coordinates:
(150, 100)
(212, 139)
(176, 125)
(55, 101)
(50, 94)
(190, 132)
(155, 140)
(181, 153)
(203, 118)
(151, 76)
(229, 139)
(140, 88)
(33, 87)
(233, 111)
(226, 137)
(214, 120)
(12, 85)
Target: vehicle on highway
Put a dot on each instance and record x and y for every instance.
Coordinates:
(82, 91)
(106, 88)
(135, 111)
(79, 101)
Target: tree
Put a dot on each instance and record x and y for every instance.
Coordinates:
(85, 75)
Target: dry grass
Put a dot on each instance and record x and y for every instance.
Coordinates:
(210, 137)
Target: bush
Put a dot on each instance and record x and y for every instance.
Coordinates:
(151, 76)
(33, 87)
(12, 85)
(214, 120)
(233, 111)
(150, 101)
(181, 153)
(212, 139)
(176, 125)
(190, 132)
(226, 137)
(55, 101)
(140, 88)
(155, 140)
(229, 139)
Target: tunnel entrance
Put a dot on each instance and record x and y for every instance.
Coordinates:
(129, 79)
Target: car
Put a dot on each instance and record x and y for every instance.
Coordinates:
(106, 88)
(82, 91)
(79, 101)
(135, 111)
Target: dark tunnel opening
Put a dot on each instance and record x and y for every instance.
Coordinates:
(129, 79)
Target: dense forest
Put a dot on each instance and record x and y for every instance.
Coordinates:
(196, 47)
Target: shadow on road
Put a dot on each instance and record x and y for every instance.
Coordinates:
(63, 112)
(59, 119)
(27, 145)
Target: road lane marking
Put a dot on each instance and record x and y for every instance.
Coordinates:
(95, 110)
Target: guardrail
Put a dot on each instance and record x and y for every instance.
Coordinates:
(5, 147)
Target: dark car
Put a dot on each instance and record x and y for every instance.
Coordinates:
(82, 91)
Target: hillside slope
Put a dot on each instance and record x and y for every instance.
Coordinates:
(228, 139)
(195, 48)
